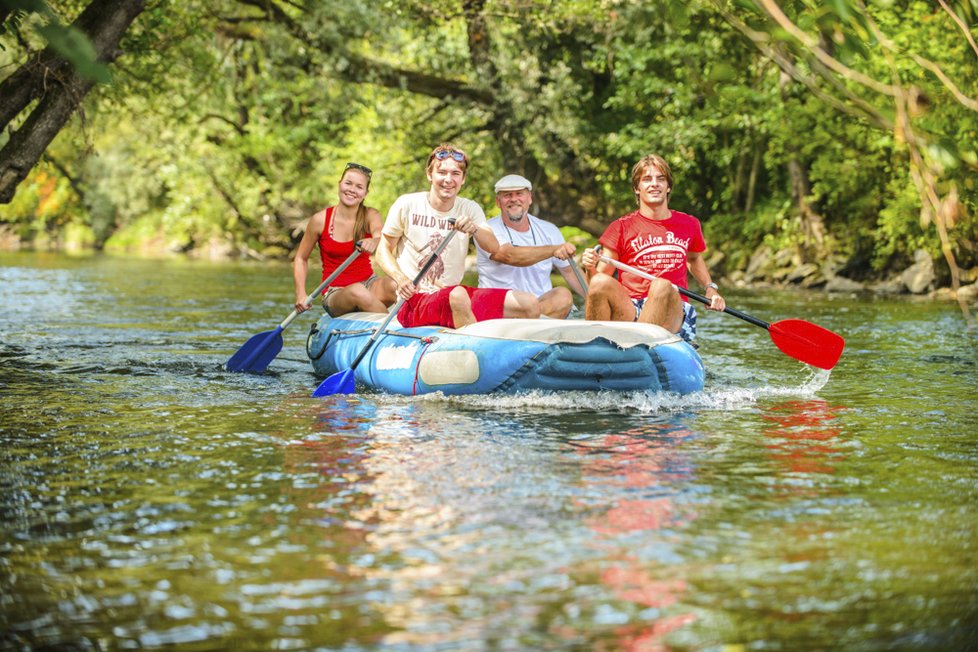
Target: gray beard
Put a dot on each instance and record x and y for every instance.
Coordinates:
(516, 218)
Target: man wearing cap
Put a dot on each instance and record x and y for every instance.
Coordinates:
(529, 250)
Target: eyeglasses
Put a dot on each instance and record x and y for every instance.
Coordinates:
(361, 168)
(442, 154)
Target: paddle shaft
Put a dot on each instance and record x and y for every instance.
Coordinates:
(579, 275)
(322, 286)
(400, 301)
(798, 338)
(692, 295)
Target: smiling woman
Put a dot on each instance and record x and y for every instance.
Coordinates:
(337, 230)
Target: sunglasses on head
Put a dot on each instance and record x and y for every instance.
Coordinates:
(361, 168)
(442, 154)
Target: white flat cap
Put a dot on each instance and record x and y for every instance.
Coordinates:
(513, 182)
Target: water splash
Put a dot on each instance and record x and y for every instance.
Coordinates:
(721, 398)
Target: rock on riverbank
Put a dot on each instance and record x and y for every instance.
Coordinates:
(783, 268)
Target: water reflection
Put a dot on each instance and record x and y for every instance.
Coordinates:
(802, 435)
(456, 527)
(151, 500)
(648, 469)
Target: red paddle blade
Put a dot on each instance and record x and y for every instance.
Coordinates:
(807, 342)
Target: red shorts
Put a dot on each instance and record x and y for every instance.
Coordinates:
(434, 308)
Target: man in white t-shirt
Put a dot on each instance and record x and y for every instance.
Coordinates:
(416, 224)
(529, 250)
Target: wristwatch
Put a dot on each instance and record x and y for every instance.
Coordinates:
(711, 285)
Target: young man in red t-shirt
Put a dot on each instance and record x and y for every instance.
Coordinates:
(658, 241)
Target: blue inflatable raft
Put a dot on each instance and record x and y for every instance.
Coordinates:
(506, 356)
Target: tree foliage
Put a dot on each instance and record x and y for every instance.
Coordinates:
(842, 131)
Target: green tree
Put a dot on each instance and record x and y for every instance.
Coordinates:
(905, 69)
(57, 78)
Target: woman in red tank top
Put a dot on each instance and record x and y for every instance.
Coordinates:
(336, 230)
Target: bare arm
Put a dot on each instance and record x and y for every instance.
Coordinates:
(387, 259)
(388, 262)
(526, 256)
(486, 239)
(300, 265)
(374, 226)
(697, 267)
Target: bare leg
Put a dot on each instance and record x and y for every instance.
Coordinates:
(556, 303)
(461, 306)
(384, 290)
(355, 297)
(521, 305)
(663, 306)
(607, 300)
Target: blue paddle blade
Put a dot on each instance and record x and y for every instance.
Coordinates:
(342, 382)
(256, 354)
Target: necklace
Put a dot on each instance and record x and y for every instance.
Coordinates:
(509, 233)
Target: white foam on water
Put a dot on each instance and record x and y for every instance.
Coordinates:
(716, 398)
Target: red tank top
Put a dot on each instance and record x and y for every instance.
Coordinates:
(334, 253)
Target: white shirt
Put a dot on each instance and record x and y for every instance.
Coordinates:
(534, 279)
(421, 229)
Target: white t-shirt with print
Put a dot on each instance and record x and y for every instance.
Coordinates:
(421, 229)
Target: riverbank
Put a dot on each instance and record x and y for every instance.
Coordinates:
(782, 269)
(765, 269)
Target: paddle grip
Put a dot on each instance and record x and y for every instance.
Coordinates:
(730, 311)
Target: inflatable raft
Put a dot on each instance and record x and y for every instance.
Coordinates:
(506, 356)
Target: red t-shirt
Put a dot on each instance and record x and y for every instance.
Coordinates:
(334, 253)
(659, 247)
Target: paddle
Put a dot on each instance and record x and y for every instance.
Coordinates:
(578, 274)
(255, 354)
(344, 382)
(800, 339)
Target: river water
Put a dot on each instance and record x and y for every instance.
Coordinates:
(148, 499)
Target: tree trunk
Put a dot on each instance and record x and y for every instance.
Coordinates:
(812, 224)
(755, 170)
(60, 89)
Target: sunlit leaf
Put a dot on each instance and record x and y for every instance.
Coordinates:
(842, 9)
(945, 152)
(722, 72)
